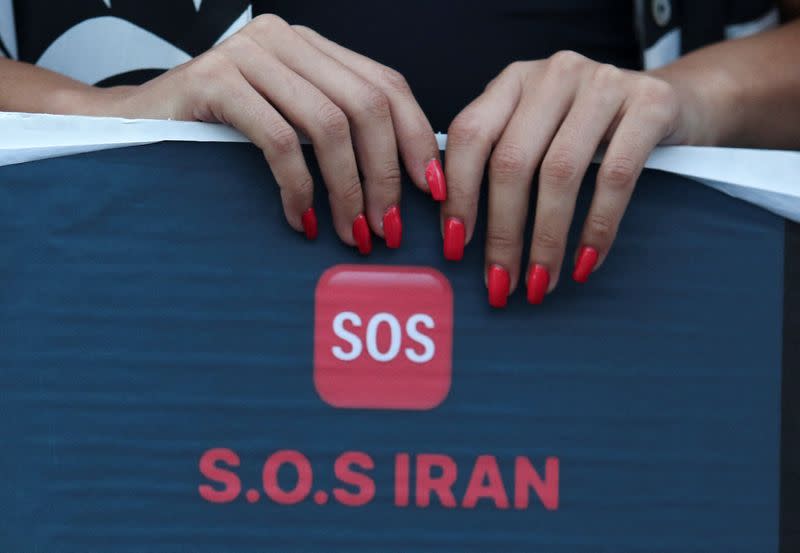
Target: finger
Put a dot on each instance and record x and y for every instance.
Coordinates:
(640, 130)
(514, 160)
(238, 104)
(568, 157)
(415, 136)
(367, 109)
(470, 139)
(328, 129)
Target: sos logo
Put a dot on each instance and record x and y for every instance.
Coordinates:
(383, 337)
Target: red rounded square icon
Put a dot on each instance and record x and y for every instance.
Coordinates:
(383, 337)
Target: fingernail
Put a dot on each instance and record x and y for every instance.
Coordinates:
(499, 284)
(309, 220)
(453, 239)
(435, 178)
(587, 258)
(362, 235)
(392, 227)
(538, 281)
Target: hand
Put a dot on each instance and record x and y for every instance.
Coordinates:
(272, 78)
(552, 115)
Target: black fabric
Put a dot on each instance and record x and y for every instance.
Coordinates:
(140, 76)
(790, 415)
(742, 11)
(652, 32)
(448, 53)
(703, 23)
(700, 23)
(40, 22)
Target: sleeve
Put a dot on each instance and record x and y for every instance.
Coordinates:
(8, 35)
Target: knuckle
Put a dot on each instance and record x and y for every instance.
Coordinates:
(302, 29)
(348, 193)
(546, 238)
(394, 80)
(209, 77)
(237, 42)
(269, 22)
(462, 200)
(601, 228)
(566, 61)
(660, 102)
(420, 132)
(209, 66)
(655, 91)
(373, 102)
(618, 174)
(283, 140)
(500, 239)
(465, 129)
(303, 187)
(606, 75)
(493, 82)
(390, 176)
(515, 68)
(559, 168)
(508, 159)
(333, 122)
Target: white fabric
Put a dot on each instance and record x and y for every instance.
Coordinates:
(767, 178)
(665, 50)
(8, 34)
(101, 47)
(769, 20)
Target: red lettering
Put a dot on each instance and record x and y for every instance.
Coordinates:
(401, 470)
(442, 485)
(526, 477)
(231, 485)
(365, 484)
(485, 483)
(270, 477)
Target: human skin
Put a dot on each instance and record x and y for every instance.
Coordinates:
(272, 80)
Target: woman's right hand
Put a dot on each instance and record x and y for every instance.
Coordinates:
(271, 78)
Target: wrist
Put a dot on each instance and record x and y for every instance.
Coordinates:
(707, 99)
(90, 100)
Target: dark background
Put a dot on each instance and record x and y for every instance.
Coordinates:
(155, 304)
(429, 42)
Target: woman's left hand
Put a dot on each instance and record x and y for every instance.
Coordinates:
(552, 115)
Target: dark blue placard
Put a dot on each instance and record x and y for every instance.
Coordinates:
(154, 304)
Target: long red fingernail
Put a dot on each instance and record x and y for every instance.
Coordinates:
(435, 178)
(587, 259)
(453, 239)
(392, 227)
(538, 281)
(499, 284)
(362, 235)
(310, 223)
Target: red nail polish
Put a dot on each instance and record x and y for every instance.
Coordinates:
(362, 235)
(309, 220)
(454, 239)
(499, 284)
(392, 227)
(587, 258)
(435, 178)
(538, 281)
